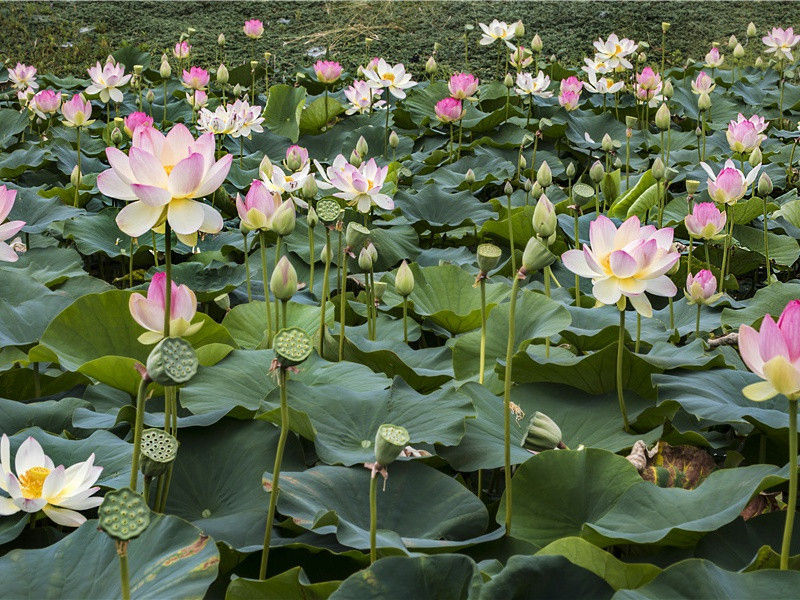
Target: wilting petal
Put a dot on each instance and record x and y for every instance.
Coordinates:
(185, 216)
(138, 218)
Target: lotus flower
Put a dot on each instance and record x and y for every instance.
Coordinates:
(107, 79)
(46, 103)
(614, 51)
(77, 111)
(248, 119)
(714, 59)
(182, 50)
(781, 41)
(361, 186)
(448, 110)
(9, 229)
(773, 353)
(604, 85)
(296, 158)
(569, 99)
(162, 175)
(253, 29)
(393, 78)
(39, 485)
(195, 78)
(597, 65)
(520, 58)
(705, 221)
(527, 85)
(730, 184)
(149, 312)
(648, 84)
(283, 182)
(23, 77)
(701, 288)
(362, 96)
(137, 119)
(743, 134)
(258, 206)
(328, 71)
(703, 83)
(197, 99)
(628, 261)
(222, 121)
(497, 30)
(462, 85)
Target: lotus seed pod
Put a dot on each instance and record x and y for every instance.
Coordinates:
(379, 289)
(663, 117)
(253, 65)
(355, 159)
(137, 70)
(691, 186)
(536, 190)
(536, 43)
(488, 257)
(373, 252)
(283, 283)
(732, 41)
(311, 218)
(292, 346)
(404, 280)
(390, 441)
(668, 90)
(222, 74)
(469, 176)
(544, 176)
(310, 188)
(544, 217)
(328, 210)
(150, 96)
(597, 172)
(123, 515)
(223, 301)
(738, 51)
(519, 29)
(267, 57)
(75, 177)
(658, 169)
(165, 70)
(508, 81)
(430, 65)
(536, 256)
(356, 235)
(508, 189)
(522, 162)
(265, 168)
(362, 147)
(755, 157)
(172, 361)
(159, 450)
(284, 219)
(631, 122)
(704, 101)
(543, 433)
(570, 170)
(394, 140)
(607, 144)
(221, 39)
(665, 26)
(365, 260)
(325, 254)
(764, 185)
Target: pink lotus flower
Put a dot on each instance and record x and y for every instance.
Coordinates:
(258, 207)
(781, 41)
(23, 77)
(714, 59)
(648, 84)
(46, 103)
(448, 110)
(195, 78)
(362, 96)
(628, 261)
(149, 312)
(569, 99)
(296, 158)
(703, 83)
(328, 71)
(705, 221)
(197, 99)
(773, 353)
(462, 85)
(77, 111)
(744, 135)
(137, 119)
(106, 79)
(182, 50)
(9, 229)
(701, 288)
(730, 184)
(253, 29)
(359, 187)
(162, 175)
(571, 84)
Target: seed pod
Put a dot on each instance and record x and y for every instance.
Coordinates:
(536, 256)
(123, 515)
(328, 210)
(380, 288)
(404, 280)
(542, 433)
(390, 440)
(692, 186)
(283, 283)
(356, 235)
(158, 451)
(488, 257)
(172, 361)
(665, 26)
(292, 346)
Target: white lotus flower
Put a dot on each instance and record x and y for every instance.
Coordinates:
(497, 30)
(106, 79)
(604, 85)
(528, 85)
(393, 78)
(614, 51)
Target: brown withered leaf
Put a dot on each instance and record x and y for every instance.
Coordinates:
(677, 466)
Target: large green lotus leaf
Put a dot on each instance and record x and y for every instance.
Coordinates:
(439, 577)
(536, 316)
(12, 122)
(98, 325)
(50, 415)
(445, 294)
(12, 526)
(485, 164)
(48, 266)
(556, 493)
(247, 323)
(289, 585)
(521, 223)
(313, 118)
(616, 573)
(336, 499)
(771, 300)
(171, 559)
(284, 109)
(346, 421)
(595, 328)
(696, 578)
(21, 384)
(685, 317)
(30, 157)
(209, 281)
(216, 479)
(544, 577)
(394, 243)
(647, 514)
(436, 209)
(783, 250)
(98, 232)
(716, 395)
(595, 373)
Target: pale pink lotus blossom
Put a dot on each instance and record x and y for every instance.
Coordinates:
(393, 78)
(137, 119)
(362, 96)
(714, 59)
(630, 261)
(38, 484)
(327, 71)
(296, 158)
(781, 42)
(648, 85)
(703, 83)
(23, 77)
(222, 121)
(258, 207)
(197, 99)
(9, 229)
(528, 85)
(149, 311)
(571, 84)
(248, 119)
(569, 99)
(730, 184)
(462, 85)
(77, 111)
(701, 288)
(195, 78)
(705, 221)
(107, 79)
(182, 50)
(773, 353)
(604, 85)
(448, 110)
(46, 103)
(286, 182)
(162, 176)
(614, 51)
(497, 30)
(520, 58)
(596, 64)
(253, 29)
(358, 186)
(743, 134)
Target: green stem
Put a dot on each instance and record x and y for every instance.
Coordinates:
(326, 108)
(130, 263)
(766, 241)
(620, 392)
(780, 102)
(325, 292)
(168, 275)
(312, 259)
(480, 483)
(708, 259)
(547, 293)
(627, 162)
(265, 278)
(725, 246)
(460, 137)
(671, 314)
(155, 249)
(481, 367)
(507, 398)
(577, 247)
(386, 125)
(78, 187)
(247, 267)
(405, 319)
(511, 235)
(373, 519)
(284, 304)
(125, 582)
(164, 117)
(343, 303)
(790, 507)
(137, 432)
(638, 332)
(697, 321)
(275, 266)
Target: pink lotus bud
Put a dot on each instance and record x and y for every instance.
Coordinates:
(448, 110)
(197, 100)
(571, 84)
(705, 221)
(327, 71)
(23, 77)
(701, 288)
(46, 103)
(743, 134)
(77, 111)
(713, 58)
(182, 50)
(283, 283)
(569, 99)
(463, 85)
(730, 184)
(9, 229)
(296, 157)
(253, 29)
(258, 207)
(195, 78)
(137, 119)
(149, 312)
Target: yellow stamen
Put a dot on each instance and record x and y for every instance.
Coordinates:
(168, 168)
(31, 482)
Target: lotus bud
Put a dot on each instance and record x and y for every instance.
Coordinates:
(116, 136)
(759, 63)
(469, 176)
(522, 162)
(373, 252)
(222, 74)
(284, 219)
(365, 260)
(597, 172)
(488, 257)
(544, 176)
(536, 190)
(755, 157)
(265, 167)
(668, 90)
(390, 441)
(553, 58)
(356, 235)
(663, 117)
(325, 254)
(544, 217)
(519, 29)
(764, 185)
(527, 186)
(394, 140)
(607, 144)
(508, 189)
(355, 159)
(732, 41)
(738, 51)
(283, 283)
(751, 29)
(310, 188)
(221, 39)
(570, 170)
(165, 70)
(362, 147)
(704, 101)
(508, 81)
(150, 96)
(404, 280)
(692, 186)
(664, 26)
(75, 177)
(311, 218)
(430, 65)
(617, 162)
(658, 169)
(642, 57)
(542, 434)
(535, 256)
(379, 288)
(237, 90)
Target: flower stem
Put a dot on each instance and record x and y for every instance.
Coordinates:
(507, 397)
(312, 259)
(386, 125)
(155, 249)
(405, 319)
(697, 321)
(247, 267)
(638, 332)
(343, 303)
(725, 246)
(137, 432)
(275, 266)
(790, 507)
(265, 278)
(168, 275)
(577, 277)
(78, 187)
(547, 293)
(766, 241)
(124, 579)
(325, 128)
(164, 117)
(620, 347)
(130, 263)
(276, 473)
(481, 367)
(325, 292)
(373, 518)
(511, 235)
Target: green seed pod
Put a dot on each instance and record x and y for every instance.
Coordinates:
(222, 74)
(394, 139)
(364, 260)
(631, 122)
(311, 218)
(544, 217)
(544, 176)
(536, 256)
(597, 172)
(292, 346)
(328, 210)
(172, 361)
(253, 65)
(283, 283)
(665, 26)
(404, 280)
(159, 449)
(542, 434)
(692, 186)
(583, 191)
(764, 185)
(390, 440)
(356, 235)
(123, 515)
(284, 219)
(380, 288)
(663, 117)
(488, 257)
(137, 70)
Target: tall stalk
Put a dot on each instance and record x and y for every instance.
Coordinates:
(481, 367)
(373, 519)
(507, 397)
(137, 432)
(620, 347)
(265, 279)
(325, 291)
(247, 266)
(790, 507)
(342, 299)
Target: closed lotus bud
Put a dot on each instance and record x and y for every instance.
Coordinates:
(759, 63)
(165, 70)
(738, 51)
(325, 254)
(663, 117)
(704, 101)
(508, 189)
(597, 172)
(265, 167)
(544, 176)
(536, 256)
(508, 81)
(362, 147)
(658, 169)
(379, 288)
(570, 170)
(755, 157)
(283, 221)
(311, 218)
(536, 43)
(356, 235)
(519, 29)
(150, 96)
(75, 177)
(544, 217)
(698, 132)
(469, 176)
(116, 136)
(430, 65)
(732, 41)
(222, 74)
(221, 39)
(394, 139)
(365, 260)
(677, 266)
(607, 144)
(488, 257)
(668, 90)
(355, 159)
(137, 70)
(542, 433)
(617, 162)
(751, 29)
(553, 58)
(283, 283)
(642, 57)
(536, 190)
(527, 186)
(522, 162)
(764, 185)
(390, 441)
(373, 252)
(237, 90)
(664, 26)
(404, 280)
(691, 186)
(310, 188)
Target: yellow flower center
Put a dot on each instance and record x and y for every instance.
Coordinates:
(388, 77)
(168, 169)
(617, 49)
(31, 482)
